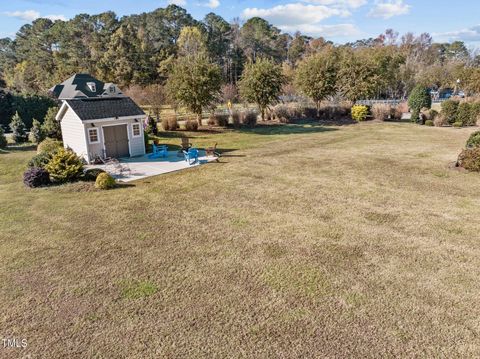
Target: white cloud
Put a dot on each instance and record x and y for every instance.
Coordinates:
(56, 17)
(213, 4)
(307, 18)
(27, 15)
(177, 2)
(339, 3)
(389, 8)
(316, 30)
(30, 15)
(293, 14)
(471, 34)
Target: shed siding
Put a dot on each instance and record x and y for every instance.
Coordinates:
(73, 133)
(136, 144)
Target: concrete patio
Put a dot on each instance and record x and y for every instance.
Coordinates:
(135, 168)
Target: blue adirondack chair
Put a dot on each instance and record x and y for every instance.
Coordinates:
(191, 154)
(159, 151)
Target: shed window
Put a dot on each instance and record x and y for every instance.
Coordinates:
(93, 135)
(136, 130)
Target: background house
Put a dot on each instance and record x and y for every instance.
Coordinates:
(98, 120)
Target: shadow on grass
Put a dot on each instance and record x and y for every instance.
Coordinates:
(11, 148)
(303, 127)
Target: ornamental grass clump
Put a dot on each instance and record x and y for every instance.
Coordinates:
(381, 112)
(104, 181)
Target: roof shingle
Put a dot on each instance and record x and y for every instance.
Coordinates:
(100, 108)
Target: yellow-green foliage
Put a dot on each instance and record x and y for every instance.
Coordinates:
(49, 145)
(104, 181)
(359, 113)
(65, 166)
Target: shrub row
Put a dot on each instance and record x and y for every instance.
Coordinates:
(53, 163)
(460, 114)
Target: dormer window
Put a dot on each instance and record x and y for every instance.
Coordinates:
(92, 87)
(111, 89)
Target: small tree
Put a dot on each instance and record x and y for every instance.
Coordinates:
(51, 127)
(317, 75)
(3, 139)
(195, 83)
(261, 83)
(36, 132)
(18, 128)
(419, 98)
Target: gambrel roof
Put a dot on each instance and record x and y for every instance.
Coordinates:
(77, 86)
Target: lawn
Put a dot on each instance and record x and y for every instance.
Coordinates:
(304, 241)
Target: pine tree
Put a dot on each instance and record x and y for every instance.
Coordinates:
(51, 127)
(17, 126)
(3, 139)
(36, 132)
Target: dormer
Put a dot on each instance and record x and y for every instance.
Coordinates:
(92, 86)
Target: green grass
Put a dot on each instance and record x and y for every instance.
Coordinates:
(304, 241)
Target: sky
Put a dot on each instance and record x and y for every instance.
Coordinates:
(337, 20)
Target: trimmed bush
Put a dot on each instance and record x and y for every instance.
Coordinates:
(249, 118)
(474, 113)
(65, 166)
(359, 113)
(449, 110)
(419, 98)
(474, 140)
(310, 112)
(282, 113)
(221, 119)
(464, 113)
(191, 125)
(169, 123)
(36, 133)
(236, 119)
(3, 139)
(40, 160)
(457, 124)
(470, 159)
(49, 145)
(428, 123)
(381, 112)
(91, 174)
(17, 126)
(36, 177)
(104, 181)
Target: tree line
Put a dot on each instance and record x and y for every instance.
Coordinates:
(145, 50)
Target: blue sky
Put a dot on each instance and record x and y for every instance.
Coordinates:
(336, 20)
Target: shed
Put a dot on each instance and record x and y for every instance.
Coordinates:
(98, 121)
